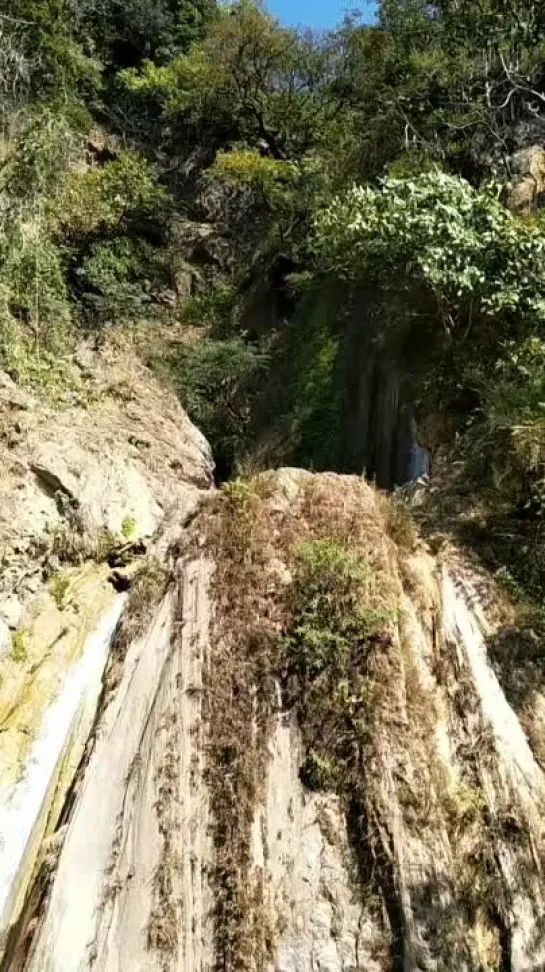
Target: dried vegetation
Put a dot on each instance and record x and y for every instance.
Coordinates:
(310, 573)
(305, 613)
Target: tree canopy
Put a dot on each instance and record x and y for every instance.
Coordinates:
(181, 163)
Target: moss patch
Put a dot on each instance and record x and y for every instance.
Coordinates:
(19, 651)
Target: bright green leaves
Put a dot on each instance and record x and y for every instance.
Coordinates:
(103, 198)
(438, 232)
(53, 208)
(251, 80)
(274, 180)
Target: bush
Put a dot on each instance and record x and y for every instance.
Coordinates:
(271, 179)
(335, 644)
(107, 197)
(112, 279)
(19, 651)
(214, 309)
(59, 586)
(32, 277)
(400, 524)
(35, 313)
(439, 233)
(335, 609)
(216, 381)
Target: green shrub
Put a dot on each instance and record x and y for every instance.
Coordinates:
(316, 771)
(103, 198)
(32, 275)
(215, 309)
(128, 527)
(273, 180)
(35, 312)
(216, 381)
(437, 232)
(335, 608)
(400, 524)
(339, 631)
(112, 280)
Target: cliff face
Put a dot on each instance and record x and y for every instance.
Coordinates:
(263, 791)
(87, 490)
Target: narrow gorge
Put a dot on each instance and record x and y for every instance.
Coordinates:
(203, 772)
(272, 486)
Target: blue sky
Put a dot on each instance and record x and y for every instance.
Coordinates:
(316, 13)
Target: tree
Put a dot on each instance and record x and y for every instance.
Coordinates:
(128, 31)
(438, 234)
(469, 77)
(60, 59)
(249, 80)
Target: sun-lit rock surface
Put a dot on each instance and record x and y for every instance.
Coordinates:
(452, 877)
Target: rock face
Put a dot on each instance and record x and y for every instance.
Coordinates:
(528, 183)
(84, 488)
(192, 840)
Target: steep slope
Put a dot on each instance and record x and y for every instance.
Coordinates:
(86, 492)
(266, 791)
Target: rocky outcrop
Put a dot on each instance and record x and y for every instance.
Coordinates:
(526, 192)
(195, 838)
(87, 490)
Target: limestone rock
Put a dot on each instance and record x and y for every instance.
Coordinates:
(447, 873)
(119, 461)
(11, 610)
(200, 244)
(5, 638)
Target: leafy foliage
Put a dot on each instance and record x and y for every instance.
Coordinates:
(51, 212)
(333, 606)
(215, 380)
(439, 232)
(273, 179)
(103, 198)
(250, 78)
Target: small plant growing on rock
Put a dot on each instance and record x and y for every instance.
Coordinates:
(241, 499)
(128, 527)
(334, 606)
(316, 772)
(19, 651)
(400, 524)
(59, 585)
(339, 632)
(70, 543)
(105, 545)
